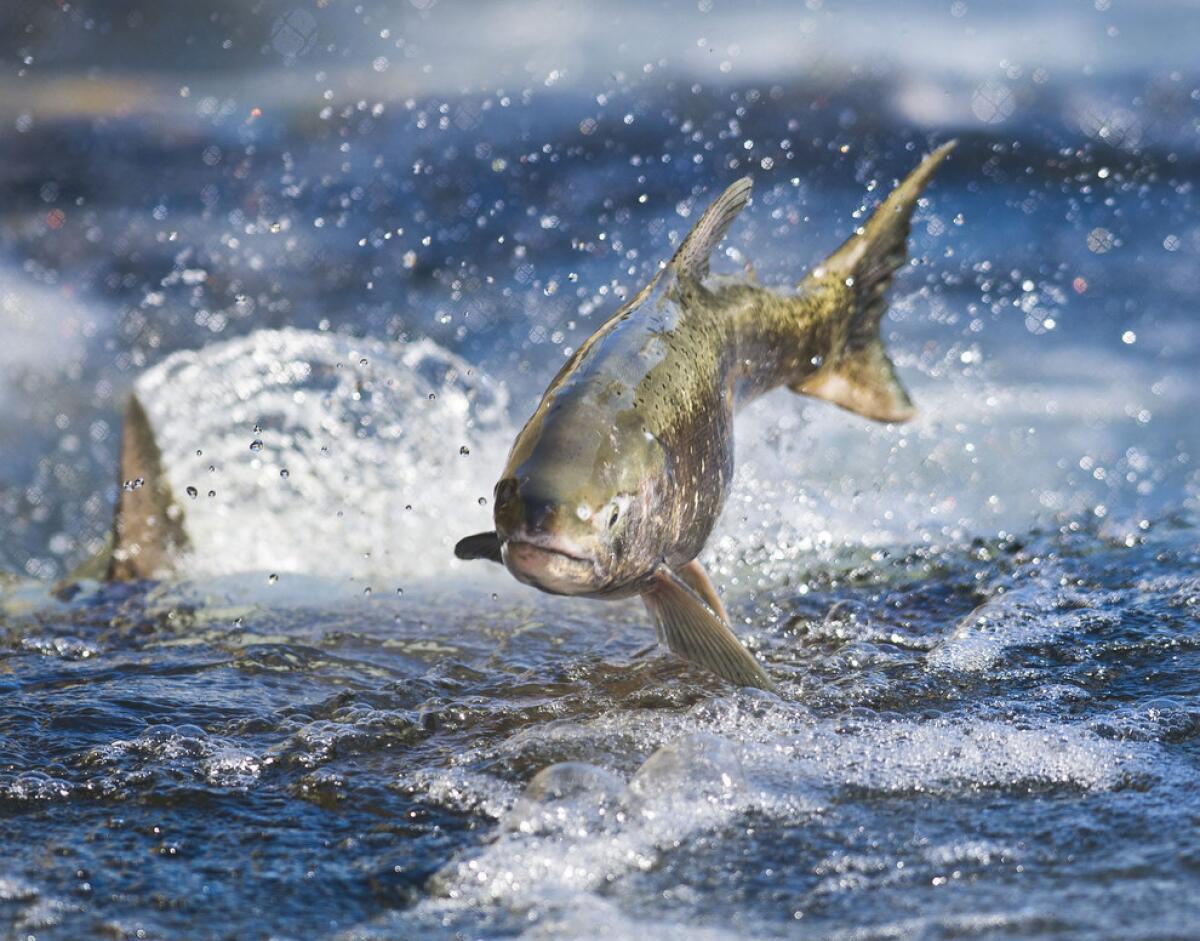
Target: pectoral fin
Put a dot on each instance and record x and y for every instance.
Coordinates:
(479, 546)
(695, 633)
(697, 580)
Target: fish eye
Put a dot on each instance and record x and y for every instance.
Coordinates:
(612, 519)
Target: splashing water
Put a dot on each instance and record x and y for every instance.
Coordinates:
(355, 461)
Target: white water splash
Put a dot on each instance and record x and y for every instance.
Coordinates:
(565, 847)
(296, 451)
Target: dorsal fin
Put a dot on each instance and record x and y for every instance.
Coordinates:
(692, 258)
(148, 532)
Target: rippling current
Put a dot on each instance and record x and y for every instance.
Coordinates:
(985, 625)
(999, 740)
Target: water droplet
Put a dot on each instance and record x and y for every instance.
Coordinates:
(1100, 240)
(256, 445)
(193, 492)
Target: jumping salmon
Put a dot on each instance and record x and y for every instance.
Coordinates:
(616, 481)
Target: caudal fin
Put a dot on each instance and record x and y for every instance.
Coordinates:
(861, 376)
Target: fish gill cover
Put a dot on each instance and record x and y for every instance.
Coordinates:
(307, 218)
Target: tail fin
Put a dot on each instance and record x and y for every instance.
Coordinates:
(861, 377)
(148, 532)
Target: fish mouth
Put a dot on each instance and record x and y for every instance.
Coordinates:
(551, 567)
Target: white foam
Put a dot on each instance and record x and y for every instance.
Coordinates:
(594, 918)
(579, 828)
(563, 848)
(1038, 611)
(783, 745)
(187, 749)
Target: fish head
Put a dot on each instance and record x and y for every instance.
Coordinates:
(575, 513)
